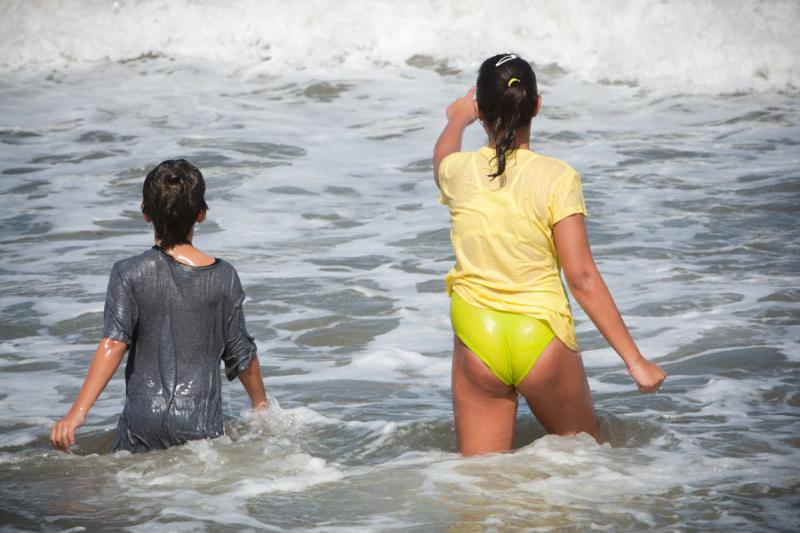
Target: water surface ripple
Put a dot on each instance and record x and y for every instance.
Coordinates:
(321, 195)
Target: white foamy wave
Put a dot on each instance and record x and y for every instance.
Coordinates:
(670, 45)
(577, 473)
(301, 471)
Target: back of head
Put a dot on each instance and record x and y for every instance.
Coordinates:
(173, 198)
(506, 94)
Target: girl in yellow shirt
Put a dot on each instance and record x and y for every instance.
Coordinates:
(517, 220)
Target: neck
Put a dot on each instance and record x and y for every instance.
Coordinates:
(187, 253)
(177, 246)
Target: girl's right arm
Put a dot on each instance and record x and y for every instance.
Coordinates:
(107, 357)
(460, 114)
(591, 292)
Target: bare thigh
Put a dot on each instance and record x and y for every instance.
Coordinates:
(558, 394)
(484, 407)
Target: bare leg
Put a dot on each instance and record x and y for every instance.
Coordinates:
(558, 394)
(484, 407)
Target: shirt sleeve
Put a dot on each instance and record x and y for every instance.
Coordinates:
(567, 197)
(445, 171)
(239, 345)
(121, 313)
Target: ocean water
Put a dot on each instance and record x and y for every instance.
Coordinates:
(314, 128)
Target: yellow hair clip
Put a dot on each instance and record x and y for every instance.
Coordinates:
(512, 80)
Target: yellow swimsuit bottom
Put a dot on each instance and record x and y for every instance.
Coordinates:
(509, 343)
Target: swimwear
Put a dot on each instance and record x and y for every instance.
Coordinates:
(508, 343)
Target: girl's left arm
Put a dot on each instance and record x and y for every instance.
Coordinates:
(460, 114)
(107, 357)
(591, 292)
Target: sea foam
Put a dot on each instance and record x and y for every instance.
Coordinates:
(672, 45)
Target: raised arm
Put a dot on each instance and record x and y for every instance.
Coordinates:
(591, 292)
(106, 359)
(253, 384)
(460, 114)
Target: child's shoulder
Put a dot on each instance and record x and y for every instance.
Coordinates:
(124, 267)
(457, 162)
(549, 172)
(226, 267)
(558, 167)
(451, 162)
(134, 263)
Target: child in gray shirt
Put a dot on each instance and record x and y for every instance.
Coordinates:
(178, 312)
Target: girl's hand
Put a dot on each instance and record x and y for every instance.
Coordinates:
(648, 376)
(62, 434)
(464, 109)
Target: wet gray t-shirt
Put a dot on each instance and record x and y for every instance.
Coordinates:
(179, 321)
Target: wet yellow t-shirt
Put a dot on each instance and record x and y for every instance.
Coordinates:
(502, 233)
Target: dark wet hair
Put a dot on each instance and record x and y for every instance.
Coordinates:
(173, 198)
(506, 94)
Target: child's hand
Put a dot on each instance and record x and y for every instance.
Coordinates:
(464, 109)
(648, 376)
(62, 434)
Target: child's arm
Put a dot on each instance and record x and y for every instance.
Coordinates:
(107, 357)
(460, 114)
(253, 384)
(591, 292)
